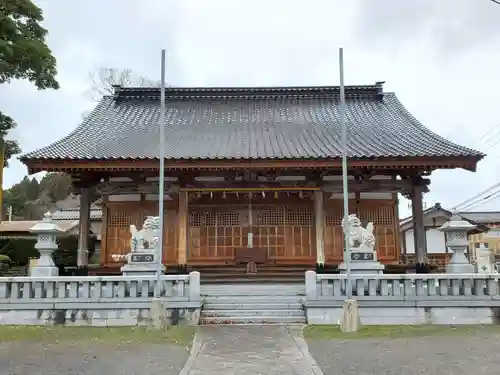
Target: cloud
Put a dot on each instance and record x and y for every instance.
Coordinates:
(440, 57)
(449, 26)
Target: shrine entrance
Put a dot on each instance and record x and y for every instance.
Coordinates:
(254, 227)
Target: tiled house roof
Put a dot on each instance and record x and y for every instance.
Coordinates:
(74, 214)
(250, 123)
(480, 219)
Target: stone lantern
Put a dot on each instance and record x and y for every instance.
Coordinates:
(456, 231)
(46, 231)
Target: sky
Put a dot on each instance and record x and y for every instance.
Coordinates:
(441, 58)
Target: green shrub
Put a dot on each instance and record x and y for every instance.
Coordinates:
(5, 263)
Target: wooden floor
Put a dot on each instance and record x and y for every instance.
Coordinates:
(238, 273)
(265, 273)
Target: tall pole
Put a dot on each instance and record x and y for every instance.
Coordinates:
(345, 190)
(161, 182)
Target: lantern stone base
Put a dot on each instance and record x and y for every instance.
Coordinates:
(459, 263)
(44, 271)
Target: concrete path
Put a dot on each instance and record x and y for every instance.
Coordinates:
(245, 350)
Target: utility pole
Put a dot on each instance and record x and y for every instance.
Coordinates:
(345, 190)
(161, 182)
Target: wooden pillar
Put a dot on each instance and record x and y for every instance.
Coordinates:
(84, 227)
(417, 208)
(319, 222)
(182, 224)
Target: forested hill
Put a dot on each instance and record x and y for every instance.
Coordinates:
(30, 199)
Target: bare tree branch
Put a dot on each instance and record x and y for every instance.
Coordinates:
(102, 81)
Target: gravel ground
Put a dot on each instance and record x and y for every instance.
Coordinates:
(30, 358)
(477, 354)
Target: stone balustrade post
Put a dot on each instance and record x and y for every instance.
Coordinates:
(456, 231)
(311, 289)
(47, 232)
(194, 286)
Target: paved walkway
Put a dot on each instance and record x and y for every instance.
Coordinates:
(245, 350)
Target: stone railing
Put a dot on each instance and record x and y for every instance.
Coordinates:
(107, 300)
(406, 298)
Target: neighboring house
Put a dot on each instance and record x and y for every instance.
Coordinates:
(487, 230)
(490, 220)
(67, 218)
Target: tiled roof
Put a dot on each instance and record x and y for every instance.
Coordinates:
(485, 217)
(250, 123)
(74, 214)
(480, 219)
(26, 225)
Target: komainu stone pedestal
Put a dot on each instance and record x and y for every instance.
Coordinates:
(141, 269)
(363, 257)
(350, 316)
(144, 249)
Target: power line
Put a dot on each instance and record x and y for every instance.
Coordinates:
(487, 199)
(490, 135)
(487, 132)
(495, 1)
(477, 197)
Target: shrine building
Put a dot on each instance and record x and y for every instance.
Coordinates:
(265, 161)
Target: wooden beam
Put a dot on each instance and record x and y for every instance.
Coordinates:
(133, 187)
(417, 210)
(319, 224)
(251, 189)
(182, 224)
(371, 186)
(104, 231)
(420, 163)
(84, 227)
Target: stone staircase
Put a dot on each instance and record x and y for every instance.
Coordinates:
(253, 303)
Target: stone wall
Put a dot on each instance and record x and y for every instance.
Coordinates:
(99, 301)
(405, 299)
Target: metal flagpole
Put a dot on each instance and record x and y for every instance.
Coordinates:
(345, 190)
(161, 182)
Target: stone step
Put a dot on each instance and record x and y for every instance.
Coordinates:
(250, 313)
(255, 300)
(261, 319)
(257, 290)
(246, 305)
(250, 280)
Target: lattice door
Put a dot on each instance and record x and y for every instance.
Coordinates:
(383, 218)
(285, 231)
(334, 236)
(269, 230)
(214, 235)
(122, 215)
(169, 232)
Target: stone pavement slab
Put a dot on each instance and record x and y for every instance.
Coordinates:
(35, 358)
(477, 354)
(250, 350)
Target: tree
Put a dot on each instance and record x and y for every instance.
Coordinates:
(30, 199)
(103, 79)
(55, 187)
(24, 53)
(11, 147)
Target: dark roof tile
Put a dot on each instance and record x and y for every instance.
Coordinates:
(242, 123)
